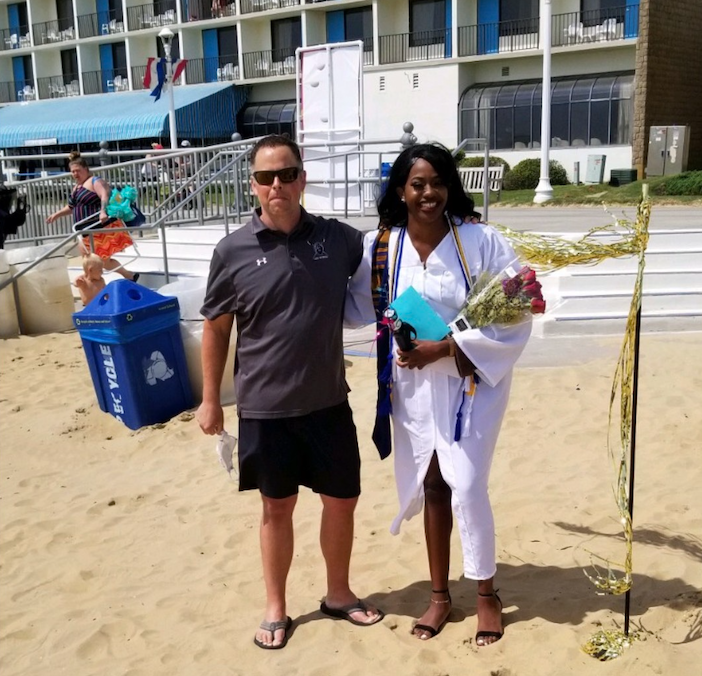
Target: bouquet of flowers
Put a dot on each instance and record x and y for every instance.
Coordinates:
(505, 298)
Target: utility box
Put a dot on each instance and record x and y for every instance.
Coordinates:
(595, 168)
(132, 341)
(668, 149)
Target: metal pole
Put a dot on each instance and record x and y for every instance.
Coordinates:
(166, 36)
(632, 460)
(544, 191)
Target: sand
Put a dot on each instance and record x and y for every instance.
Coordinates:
(133, 554)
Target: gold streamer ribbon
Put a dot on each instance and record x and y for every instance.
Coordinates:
(552, 253)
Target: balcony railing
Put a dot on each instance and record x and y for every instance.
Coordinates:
(17, 39)
(106, 81)
(48, 32)
(602, 25)
(101, 23)
(152, 15)
(199, 10)
(16, 90)
(248, 6)
(138, 73)
(417, 46)
(58, 86)
(19, 90)
(269, 63)
(212, 69)
(502, 36)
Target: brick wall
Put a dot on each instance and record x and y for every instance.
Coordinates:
(668, 86)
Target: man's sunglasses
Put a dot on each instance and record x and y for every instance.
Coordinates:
(287, 175)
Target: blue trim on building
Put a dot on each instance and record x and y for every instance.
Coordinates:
(336, 29)
(210, 52)
(18, 70)
(488, 26)
(13, 19)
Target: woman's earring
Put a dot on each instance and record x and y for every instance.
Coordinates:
(402, 199)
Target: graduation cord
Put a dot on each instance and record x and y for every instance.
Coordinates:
(466, 278)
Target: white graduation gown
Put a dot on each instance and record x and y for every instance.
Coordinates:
(425, 402)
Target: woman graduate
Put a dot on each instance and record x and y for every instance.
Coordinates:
(448, 395)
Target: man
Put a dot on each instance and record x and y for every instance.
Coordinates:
(284, 276)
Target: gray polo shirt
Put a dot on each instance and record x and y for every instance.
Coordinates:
(287, 292)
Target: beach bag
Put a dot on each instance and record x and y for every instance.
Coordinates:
(107, 244)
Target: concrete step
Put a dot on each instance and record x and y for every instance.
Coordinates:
(604, 326)
(603, 284)
(582, 299)
(605, 307)
(205, 234)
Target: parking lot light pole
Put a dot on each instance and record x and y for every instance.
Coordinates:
(166, 36)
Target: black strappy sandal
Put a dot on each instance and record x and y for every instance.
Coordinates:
(425, 627)
(497, 635)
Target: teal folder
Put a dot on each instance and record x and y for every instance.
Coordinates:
(413, 309)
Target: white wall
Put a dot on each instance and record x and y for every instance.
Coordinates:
(432, 107)
(255, 36)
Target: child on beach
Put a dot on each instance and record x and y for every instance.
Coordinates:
(91, 282)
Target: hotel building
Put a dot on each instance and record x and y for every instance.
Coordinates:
(454, 68)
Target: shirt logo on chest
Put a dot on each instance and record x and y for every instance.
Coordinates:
(261, 261)
(319, 252)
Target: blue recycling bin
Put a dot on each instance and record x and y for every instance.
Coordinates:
(131, 337)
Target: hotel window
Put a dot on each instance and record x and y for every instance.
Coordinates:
(518, 17)
(286, 37)
(358, 25)
(227, 43)
(69, 65)
(427, 22)
(592, 111)
(64, 13)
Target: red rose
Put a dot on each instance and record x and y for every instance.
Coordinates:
(538, 306)
(528, 275)
(511, 286)
(532, 290)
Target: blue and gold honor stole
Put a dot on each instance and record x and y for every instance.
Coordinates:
(473, 378)
(379, 289)
(382, 295)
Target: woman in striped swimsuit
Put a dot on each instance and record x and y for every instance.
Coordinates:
(89, 197)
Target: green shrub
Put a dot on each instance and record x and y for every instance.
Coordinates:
(479, 161)
(687, 183)
(526, 174)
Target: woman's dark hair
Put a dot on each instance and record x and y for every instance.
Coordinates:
(392, 210)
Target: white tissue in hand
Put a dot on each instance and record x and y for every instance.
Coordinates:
(225, 451)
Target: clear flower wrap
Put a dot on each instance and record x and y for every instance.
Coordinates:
(509, 297)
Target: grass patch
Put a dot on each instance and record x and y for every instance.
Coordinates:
(592, 195)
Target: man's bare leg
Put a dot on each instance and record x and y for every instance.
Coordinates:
(277, 542)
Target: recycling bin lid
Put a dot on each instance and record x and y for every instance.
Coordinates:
(126, 308)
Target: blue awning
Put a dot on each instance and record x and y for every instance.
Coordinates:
(202, 111)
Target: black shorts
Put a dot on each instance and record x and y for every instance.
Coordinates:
(318, 450)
